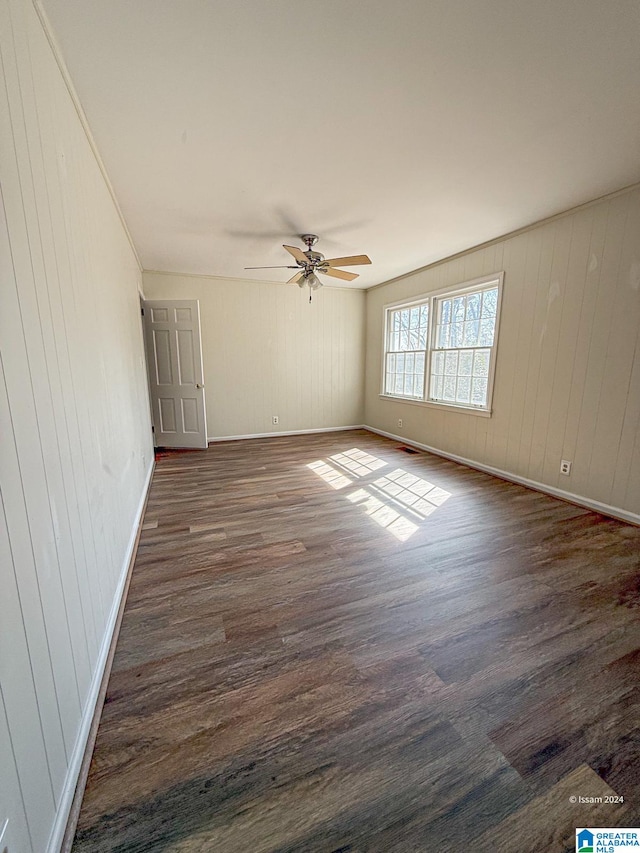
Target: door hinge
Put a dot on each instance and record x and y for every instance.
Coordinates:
(153, 429)
(142, 311)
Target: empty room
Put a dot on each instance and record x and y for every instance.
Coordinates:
(319, 426)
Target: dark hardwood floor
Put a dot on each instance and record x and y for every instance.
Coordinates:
(331, 644)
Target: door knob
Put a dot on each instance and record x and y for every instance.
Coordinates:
(198, 385)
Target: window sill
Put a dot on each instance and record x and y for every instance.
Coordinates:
(442, 407)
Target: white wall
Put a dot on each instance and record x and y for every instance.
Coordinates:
(75, 448)
(567, 381)
(267, 351)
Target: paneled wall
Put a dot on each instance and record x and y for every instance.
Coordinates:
(567, 380)
(75, 443)
(267, 351)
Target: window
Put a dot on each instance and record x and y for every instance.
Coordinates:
(406, 346)
(441, 349)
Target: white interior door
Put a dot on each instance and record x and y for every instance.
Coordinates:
(174, 356)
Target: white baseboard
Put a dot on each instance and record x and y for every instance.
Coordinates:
(73, 771)
(588, 503)
(278, 434)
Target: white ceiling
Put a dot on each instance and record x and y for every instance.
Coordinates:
(409, 130)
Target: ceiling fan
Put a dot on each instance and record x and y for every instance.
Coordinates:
(309, 263)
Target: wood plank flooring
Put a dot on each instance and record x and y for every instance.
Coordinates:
(331, 644)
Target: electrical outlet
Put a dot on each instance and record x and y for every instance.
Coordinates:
(565, 467)
(275, 420)
(400, 422)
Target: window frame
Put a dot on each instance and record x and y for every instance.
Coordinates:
(431, 300)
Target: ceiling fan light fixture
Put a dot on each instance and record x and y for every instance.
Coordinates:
(313, 281)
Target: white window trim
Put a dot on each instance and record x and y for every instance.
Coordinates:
(431, 297)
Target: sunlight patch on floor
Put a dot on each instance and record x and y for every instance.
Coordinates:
(383, 514)
(419, 495)
(358, 462)
(334, 478)
(388, 499)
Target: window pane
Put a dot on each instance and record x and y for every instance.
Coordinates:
(457, 330)
(444, 333)
(487, 325)
(420, 362)
(404, 340)
(395, 323)
(463, 391)
(451, 363)
(490, 302)
(437, 383)
(479, 392)
(415, 318)
(449, 392)
(409, 362)
(388, 385)
(391, 363)
(473, 306)
(465, 364)
(471, 331)
(408, 383)
(418, 383)
(446, 311)
(399, 383)
(435, 390)
(422, 338)
(424, 315)
(481, 362)
(437, 363)
(458, 309)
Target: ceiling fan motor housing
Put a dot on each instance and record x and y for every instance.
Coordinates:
(314, 257)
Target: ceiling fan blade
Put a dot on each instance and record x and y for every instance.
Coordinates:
(296, 278)
(298, 254)
(347, 276)
(273, 268)
(351, 261)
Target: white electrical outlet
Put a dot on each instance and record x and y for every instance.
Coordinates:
(275, 420)
(400, 422)
(565, 466)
